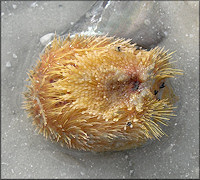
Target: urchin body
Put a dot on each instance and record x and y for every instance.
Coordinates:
(99, 93)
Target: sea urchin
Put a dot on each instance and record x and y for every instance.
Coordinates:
(98, 93)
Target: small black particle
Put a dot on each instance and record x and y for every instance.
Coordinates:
(135, 85)
(129, 123)
(162, 85)
(155, 92)
(158, 99)
(119, 48)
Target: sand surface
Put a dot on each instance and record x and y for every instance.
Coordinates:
(24, 154)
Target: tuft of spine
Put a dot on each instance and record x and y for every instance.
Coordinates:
(98, 93)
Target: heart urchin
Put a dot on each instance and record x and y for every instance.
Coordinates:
(99, 93)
